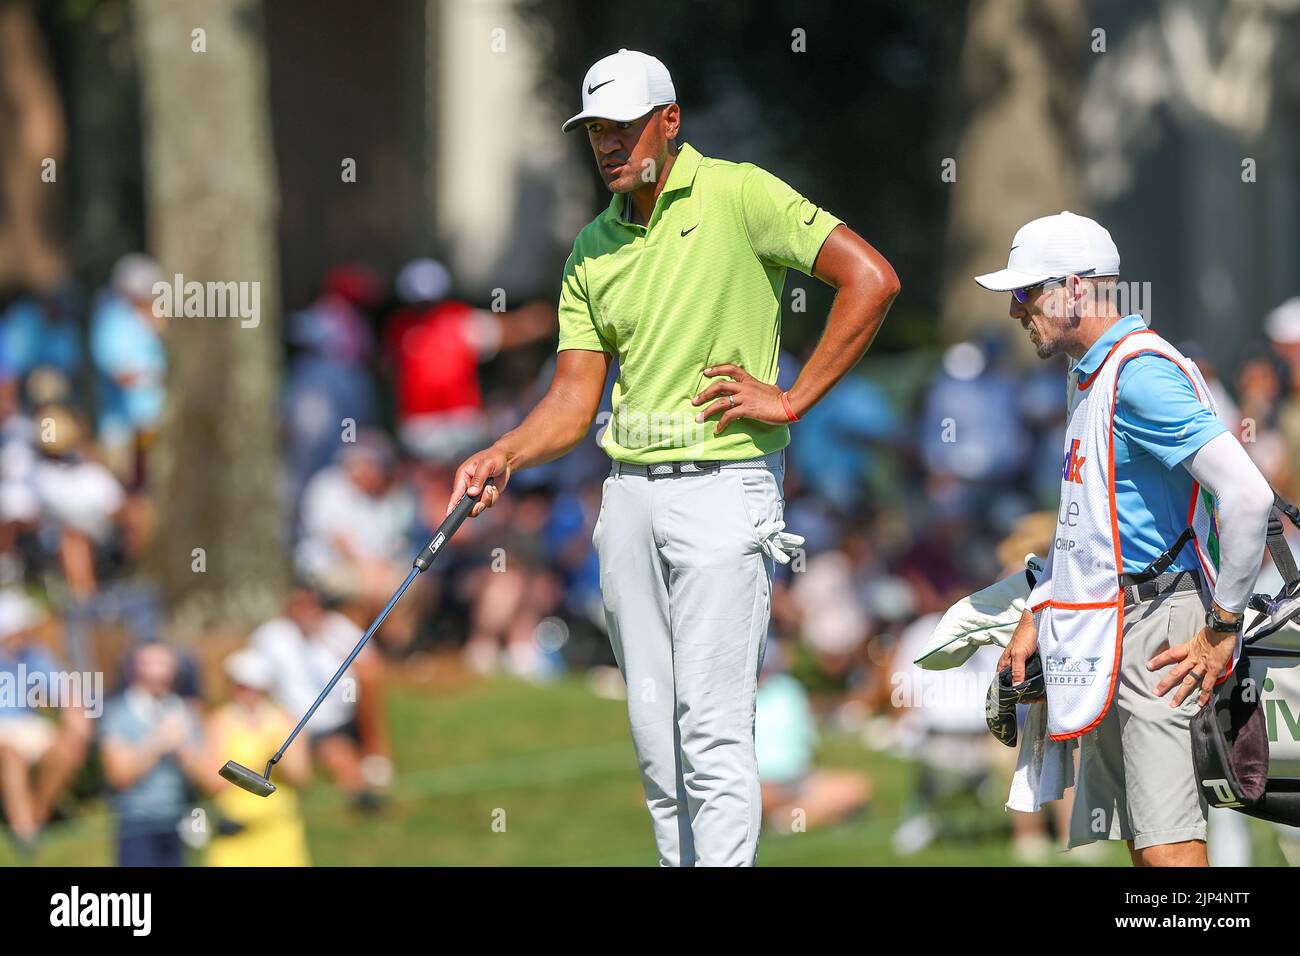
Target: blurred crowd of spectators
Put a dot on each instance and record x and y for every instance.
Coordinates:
(911, 489)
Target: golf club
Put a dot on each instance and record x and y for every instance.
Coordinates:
(261, 784)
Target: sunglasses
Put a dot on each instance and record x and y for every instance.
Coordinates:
(1022, 294)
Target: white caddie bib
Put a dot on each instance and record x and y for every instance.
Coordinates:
(1078, 600)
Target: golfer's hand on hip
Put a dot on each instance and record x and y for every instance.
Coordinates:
(1020, 648)
(740, 395)
(488, 463)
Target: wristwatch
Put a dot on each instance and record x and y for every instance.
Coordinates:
(1215, 623)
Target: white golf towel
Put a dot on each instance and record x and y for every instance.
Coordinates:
(1044, 767)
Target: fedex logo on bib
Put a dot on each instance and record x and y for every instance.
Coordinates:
(1078, 671)
(1072, 465)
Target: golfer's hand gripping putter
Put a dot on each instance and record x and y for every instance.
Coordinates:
(261, 784)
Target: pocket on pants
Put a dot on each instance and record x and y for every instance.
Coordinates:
(760, 500)
(600, 514)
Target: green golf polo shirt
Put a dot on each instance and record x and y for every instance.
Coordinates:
(700, 285)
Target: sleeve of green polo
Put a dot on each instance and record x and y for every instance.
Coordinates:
(784, 228)
(577, 322)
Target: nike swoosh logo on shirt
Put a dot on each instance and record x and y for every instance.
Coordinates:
(692, 229)
(593, 89)
(812, 217)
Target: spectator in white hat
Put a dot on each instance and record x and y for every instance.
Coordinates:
(347, 735)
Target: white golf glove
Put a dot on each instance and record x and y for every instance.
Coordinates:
(779, 544)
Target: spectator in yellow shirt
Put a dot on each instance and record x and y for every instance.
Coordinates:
(252, 830)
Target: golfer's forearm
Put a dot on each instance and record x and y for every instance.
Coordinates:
(553, 428)
(855, 317)
(1244, 500)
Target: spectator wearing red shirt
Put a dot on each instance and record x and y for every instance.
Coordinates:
(435, 345)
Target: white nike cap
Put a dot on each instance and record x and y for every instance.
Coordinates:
(1052, 248)
(622, 87)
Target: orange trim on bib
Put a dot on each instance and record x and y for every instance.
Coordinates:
(1119, 561)
(1084, 383)
(1066, 606)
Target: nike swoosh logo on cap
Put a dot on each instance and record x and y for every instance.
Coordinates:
(593, 89)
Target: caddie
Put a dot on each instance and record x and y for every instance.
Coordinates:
(681, 279)
(1159, 537)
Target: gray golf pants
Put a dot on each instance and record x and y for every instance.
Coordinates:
(687, 590)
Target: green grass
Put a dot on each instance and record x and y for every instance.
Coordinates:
(500, 773)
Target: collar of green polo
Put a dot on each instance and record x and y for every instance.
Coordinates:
(681, 176)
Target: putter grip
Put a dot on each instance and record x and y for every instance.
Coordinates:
(447, 529)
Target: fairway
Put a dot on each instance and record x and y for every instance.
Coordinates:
(504, 773)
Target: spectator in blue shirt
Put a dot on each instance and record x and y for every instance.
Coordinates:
(127, 348)
(41, 331)
(151, 744)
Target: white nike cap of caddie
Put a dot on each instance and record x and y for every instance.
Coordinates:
(622, 87)
(1052, 248)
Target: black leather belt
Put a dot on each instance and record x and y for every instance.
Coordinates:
(1135, 592)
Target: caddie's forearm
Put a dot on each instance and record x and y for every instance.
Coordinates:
(854, 320)
(1244, 500)
(551, 430)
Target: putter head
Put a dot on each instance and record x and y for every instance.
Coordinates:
(246, 779)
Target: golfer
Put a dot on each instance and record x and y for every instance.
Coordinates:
(1159, 537)
(681, 279)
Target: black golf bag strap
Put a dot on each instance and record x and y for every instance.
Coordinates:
(1160, 565)
(1286, 508)
(1278, 549)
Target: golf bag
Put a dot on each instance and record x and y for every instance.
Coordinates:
(1246, 740)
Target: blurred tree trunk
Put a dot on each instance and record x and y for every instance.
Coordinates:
(1018, 156)
(212, 206)
(32, 130)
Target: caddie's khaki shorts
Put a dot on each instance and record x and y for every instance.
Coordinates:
(1136, 780)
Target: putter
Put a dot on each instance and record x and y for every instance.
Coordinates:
(260, 783)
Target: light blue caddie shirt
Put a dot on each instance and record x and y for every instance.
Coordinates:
(1159, 422)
